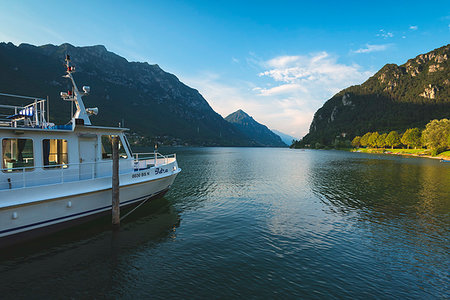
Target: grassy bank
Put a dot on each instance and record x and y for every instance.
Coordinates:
(411, 152)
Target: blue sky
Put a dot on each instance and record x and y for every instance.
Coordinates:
(277, 60)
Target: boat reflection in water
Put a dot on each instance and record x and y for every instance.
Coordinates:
(89, 251)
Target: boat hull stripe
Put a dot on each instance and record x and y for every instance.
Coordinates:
(78, 214)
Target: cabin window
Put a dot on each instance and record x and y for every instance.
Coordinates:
(17, 155)
(107, 147)
(55, 153)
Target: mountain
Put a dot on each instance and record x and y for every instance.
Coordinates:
(154, 104)
(260, 134)
(286, 138)
(395, 98)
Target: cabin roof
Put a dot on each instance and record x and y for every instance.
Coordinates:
(77, 128)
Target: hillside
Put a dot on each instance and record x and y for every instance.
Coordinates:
(154, 104)
(258, 133)
(395, 98)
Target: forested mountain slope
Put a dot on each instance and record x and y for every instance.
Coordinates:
(395, 98)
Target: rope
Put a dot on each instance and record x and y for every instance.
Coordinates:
(134, 209)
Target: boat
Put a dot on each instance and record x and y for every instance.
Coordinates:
(54, 176)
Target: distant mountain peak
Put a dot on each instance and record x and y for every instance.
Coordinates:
(238, 116)
(260, 134)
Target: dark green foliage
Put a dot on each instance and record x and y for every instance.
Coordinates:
(356, 142)
(436, 134)
(381, 140)
(373, 139)
(365, 139)
(395, 98)
(412, 137)
(154, 104)
(393, 139)
(259, 134)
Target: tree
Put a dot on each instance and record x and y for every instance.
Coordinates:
(356, 141)
(365, 139)
(373, 139)
(393, 139)
(436, 134)
(381, 140)
(412, 138)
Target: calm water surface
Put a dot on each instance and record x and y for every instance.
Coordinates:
(259, 223)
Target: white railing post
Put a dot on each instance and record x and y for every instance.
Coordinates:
(23, 177)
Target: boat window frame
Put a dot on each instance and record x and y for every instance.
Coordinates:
(127, 144)
(120, 144)
(5, 169)
(59, 166)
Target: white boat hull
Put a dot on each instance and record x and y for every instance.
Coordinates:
(21, 218)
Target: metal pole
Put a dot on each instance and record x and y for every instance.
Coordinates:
(48, 111)
(115, 182)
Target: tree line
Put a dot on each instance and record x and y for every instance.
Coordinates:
(435, 136)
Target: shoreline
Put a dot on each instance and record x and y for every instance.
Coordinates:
(400, 153)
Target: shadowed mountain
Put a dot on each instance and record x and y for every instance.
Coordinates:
(154, 104)
(260, 134)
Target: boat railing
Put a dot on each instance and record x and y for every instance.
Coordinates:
(21, 177)
(151, 159)
(30, 115)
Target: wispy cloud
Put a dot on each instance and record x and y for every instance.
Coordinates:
(300, 71)
(385, 34)
(372, 48)
(413, 27)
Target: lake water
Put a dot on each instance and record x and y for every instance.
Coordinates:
(259, 223)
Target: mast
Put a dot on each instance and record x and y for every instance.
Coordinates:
(76, 96)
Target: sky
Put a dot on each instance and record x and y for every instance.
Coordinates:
(279, 61)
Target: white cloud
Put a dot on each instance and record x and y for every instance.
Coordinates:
(282, 61)
(413, 27)
(301, 84)
(372, 48)
(385, 34)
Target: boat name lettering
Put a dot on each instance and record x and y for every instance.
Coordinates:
(160, 171)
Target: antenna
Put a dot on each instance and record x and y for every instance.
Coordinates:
(75, 96)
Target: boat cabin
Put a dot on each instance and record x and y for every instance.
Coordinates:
(34, 151)
(56, 155)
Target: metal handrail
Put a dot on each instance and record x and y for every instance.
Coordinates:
(83, 163)
(21, 177)
(38, 120)
(64, 166)
(155, 156)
